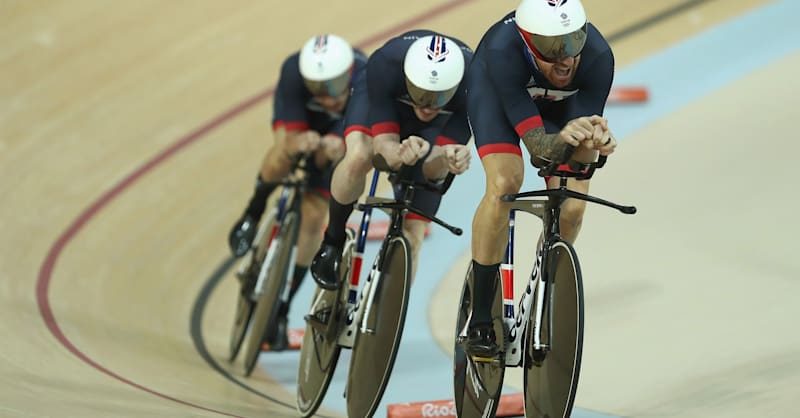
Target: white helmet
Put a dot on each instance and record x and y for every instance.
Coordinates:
(326, 64)
(552, 29)
(434, 66)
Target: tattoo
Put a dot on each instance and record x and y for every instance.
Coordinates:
(545, 147)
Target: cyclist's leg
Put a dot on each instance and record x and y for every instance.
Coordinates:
(504, 172)
(497, 142)
(314, 211)
(274, 166)
(347, 185)
(414, 230)
(313, 214)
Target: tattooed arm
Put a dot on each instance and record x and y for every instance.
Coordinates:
(579, 140)
(545, 147)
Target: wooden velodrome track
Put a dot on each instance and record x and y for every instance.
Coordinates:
(130, 133)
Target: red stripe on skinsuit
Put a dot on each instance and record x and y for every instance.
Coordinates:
(528, 124)
(499, 149)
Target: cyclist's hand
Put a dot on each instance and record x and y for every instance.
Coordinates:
(458, 158)
(333, 147)
(308, 141)
(606, 143)
(581, 129)
(602, 140)
(412, 149)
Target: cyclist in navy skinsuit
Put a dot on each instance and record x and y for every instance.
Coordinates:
(310, 100)
(542, 75)
(409, 108)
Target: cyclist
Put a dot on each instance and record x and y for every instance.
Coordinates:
(541, 74)
(409, 109)
(311, 97)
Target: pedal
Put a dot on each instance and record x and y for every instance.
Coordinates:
(483, 359)
(479, 359)
(317, 323)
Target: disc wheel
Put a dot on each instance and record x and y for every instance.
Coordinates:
(248, 273)
(276, 267)
(380, 330)
(551, 376)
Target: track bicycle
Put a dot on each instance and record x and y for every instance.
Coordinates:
(267, 269)
(545, 336)
(369, 321)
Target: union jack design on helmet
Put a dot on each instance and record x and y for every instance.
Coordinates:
(433, 66)
(437, 50)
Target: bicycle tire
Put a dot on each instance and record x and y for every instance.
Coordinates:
(244, 304)
(551, 377)
(477, 385)
(319, 353)
(267, 305)
(377, 350)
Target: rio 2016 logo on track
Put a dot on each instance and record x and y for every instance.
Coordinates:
(433, 410)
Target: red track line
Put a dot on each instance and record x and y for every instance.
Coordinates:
(47, 267)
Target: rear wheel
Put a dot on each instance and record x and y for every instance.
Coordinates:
(380, 330)
(477, 384)
(551, 376)
(277, 266)
(319, 353)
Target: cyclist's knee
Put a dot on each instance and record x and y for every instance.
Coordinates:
(276, 164)
(357, 161)
(572, 218)
(414, 230)
(503, 182)
(315, 213)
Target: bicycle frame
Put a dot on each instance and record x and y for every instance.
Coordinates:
(289, 201)
(548, 208)
(515, 324)
(354, 299)
(355, 304)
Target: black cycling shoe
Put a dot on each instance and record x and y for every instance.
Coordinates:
(278, 340)
(325, 266)
(482, 342)
(241, 237)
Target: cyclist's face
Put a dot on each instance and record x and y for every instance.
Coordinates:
(561, 72)
(333, 103)
(426, 114)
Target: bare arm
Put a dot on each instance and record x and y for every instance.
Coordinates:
(388, 146)
(443, 159)
(435, 166)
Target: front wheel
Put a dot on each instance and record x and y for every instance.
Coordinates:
(248, 274)
(477, 384)
(551, 375)
(380, 329)
(276, 267)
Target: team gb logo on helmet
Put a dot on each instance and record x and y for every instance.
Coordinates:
(437, 52)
